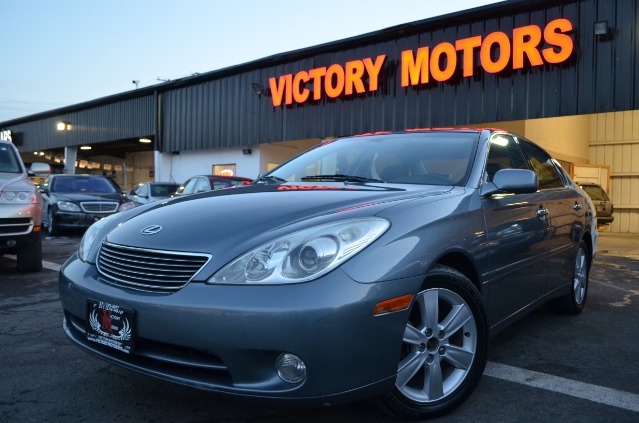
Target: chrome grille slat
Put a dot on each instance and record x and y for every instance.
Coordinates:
(141, 259)
(99, 206)
(144, 276)
(148, 270)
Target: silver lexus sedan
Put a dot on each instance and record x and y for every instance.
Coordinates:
(369, 266)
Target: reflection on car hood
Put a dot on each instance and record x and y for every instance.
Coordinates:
(241, 217)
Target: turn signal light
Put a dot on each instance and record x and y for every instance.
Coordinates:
(393, 305)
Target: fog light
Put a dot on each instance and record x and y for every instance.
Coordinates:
(290, 368)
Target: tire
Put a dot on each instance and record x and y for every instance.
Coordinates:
(29, 256)
(574, 301)
(52, 227)
(442, 359)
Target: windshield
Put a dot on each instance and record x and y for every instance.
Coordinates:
(9, 163)
(433, 158)
(595, 192)
(83, 184)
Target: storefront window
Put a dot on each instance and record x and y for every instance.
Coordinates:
(225, 169)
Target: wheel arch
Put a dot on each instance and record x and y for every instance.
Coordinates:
(461, 262)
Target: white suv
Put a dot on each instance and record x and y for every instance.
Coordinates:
(20, 210)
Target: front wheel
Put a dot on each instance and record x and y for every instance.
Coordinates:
(444, 349)
(52, 226)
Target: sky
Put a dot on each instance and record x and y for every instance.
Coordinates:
(64, 52)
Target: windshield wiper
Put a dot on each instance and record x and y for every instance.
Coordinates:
(340, 177)
(269, 178)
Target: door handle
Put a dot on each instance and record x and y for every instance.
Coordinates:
(542, 213)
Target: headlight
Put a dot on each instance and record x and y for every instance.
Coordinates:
(126, 206)
(91, 235)
(303, 255)
(18, 197)
(68, 207)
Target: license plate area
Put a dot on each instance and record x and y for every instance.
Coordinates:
(111, 325)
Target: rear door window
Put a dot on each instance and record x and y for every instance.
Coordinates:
(543, 165)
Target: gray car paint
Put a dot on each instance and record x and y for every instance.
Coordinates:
(349, 353)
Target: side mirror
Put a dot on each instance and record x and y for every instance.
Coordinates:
(511, 181)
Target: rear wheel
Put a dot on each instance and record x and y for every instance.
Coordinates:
(29, 256)
(444, 348)
(575, 300)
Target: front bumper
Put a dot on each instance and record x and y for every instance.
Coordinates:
(19, 225)
(12, 243)
(70, 220)
(605, 220)
(227, 338)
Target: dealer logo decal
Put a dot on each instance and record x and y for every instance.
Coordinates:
(107, 328)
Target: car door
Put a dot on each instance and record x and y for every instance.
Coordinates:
(566, 211)
(517, 231)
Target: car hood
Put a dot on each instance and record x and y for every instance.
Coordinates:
(77, 197)
(229, 222)
(7, 179)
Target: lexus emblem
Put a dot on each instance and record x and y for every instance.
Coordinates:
(151, 230)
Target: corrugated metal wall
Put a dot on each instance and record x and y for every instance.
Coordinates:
(614, 141)
(599, 77)
(109, 122)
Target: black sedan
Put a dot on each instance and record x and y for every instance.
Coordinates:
(369, 266)
(78, 201)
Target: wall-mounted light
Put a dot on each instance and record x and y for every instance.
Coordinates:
(63, 125)
(602, 28)
(85, 147)
(258, 89)
(145, 141)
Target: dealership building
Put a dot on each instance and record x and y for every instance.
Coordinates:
(563, 73)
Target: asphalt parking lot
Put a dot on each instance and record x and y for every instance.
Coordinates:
(547, 367)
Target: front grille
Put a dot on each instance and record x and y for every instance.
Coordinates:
(99, 206)
(16, 226)
(148, 270)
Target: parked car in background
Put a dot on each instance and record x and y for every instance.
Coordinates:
(602, 202)
(78, 201)
(204, 183)
(149, 192)
(369, 266)
(20, 210)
